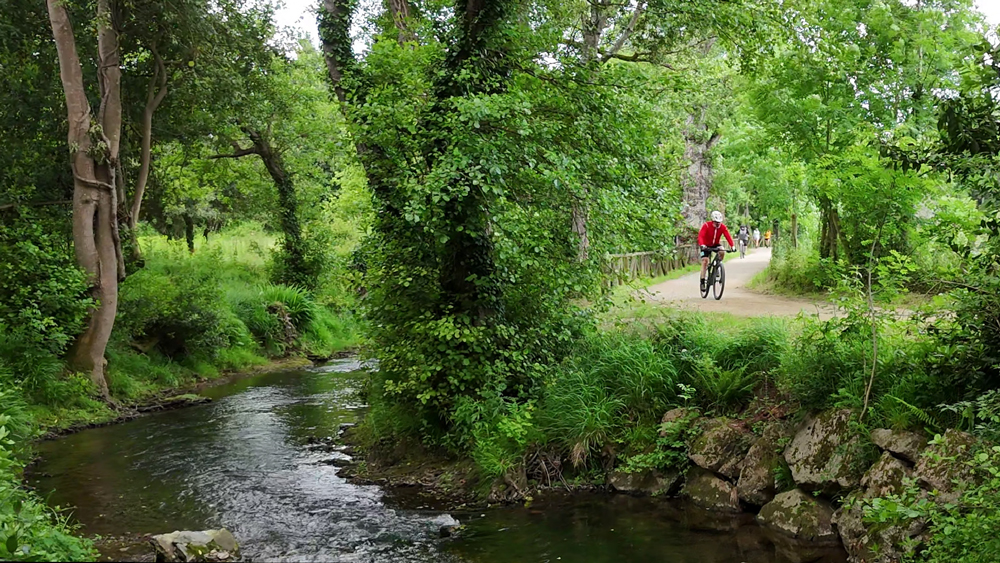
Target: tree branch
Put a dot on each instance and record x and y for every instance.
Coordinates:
(238, 152)
(626, 33)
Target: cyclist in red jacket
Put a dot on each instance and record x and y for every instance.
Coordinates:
(709, 239)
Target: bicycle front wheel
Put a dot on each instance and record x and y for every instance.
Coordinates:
(720, 281)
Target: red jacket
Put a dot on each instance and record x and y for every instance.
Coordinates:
(712, 236)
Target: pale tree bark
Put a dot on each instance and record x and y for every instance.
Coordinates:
(594, 27)
(155, 92)
(400, 11)
(94, 144)
(698, 143)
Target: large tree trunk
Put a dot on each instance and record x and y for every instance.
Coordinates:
(94, 147)
(698, 182)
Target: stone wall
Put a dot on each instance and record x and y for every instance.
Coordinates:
(734, 470)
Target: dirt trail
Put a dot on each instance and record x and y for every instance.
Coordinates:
(737, 299)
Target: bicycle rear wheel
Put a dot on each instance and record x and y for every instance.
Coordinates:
(719, 284)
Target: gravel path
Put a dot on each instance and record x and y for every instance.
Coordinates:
(737, 299)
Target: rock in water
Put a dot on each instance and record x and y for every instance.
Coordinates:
(822, 453)
(800, 516)
(648, 482)
(207, 545)
(447, 525)
(708, 491)
(720, 448)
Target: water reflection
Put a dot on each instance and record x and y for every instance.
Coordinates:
(243, 462)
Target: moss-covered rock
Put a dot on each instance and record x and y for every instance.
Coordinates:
(648, 482)
(900, 443)
(824, 453)
(757, 484)
(707, 490)
(801, 516)
(208, 545)
(874, 544)
(943, 467)
(720, 447)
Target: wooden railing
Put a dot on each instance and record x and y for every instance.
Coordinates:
(623, 268)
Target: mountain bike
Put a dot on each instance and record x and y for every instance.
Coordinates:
(715, 278)
(743, 248)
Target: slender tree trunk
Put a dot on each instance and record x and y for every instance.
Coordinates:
(94, 145)
(155, 92)
(294, 249)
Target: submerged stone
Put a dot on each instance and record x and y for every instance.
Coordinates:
(801, 516)
(822, 453)
(208, 545)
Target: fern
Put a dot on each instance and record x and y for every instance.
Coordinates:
(926, 418)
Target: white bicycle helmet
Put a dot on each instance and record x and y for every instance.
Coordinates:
(717, 216)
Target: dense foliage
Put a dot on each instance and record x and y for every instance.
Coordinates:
(446, 188)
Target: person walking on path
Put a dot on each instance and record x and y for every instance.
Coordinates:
(756, 237)
(767, 239)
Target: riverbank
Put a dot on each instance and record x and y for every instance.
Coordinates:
(158, 400)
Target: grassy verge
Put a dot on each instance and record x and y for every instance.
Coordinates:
(184, 319)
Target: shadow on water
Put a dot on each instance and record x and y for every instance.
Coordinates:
(243, 462)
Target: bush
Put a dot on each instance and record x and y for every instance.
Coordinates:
(175, 304)
(29, 530)
(43, 294)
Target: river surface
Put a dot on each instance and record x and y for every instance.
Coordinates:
(247, 462)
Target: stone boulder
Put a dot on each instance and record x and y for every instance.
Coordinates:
(207, 545)
(708, 491)
(900, 443)
(943, 466)
(822, 453)
(798, 515)
(874, 544)
(885, 477)
(756, 484)
(648, 482)
(880, 544)
(720, 448)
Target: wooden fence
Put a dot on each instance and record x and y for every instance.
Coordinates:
(623, 268)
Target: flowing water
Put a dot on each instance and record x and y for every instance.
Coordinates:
(247, 462)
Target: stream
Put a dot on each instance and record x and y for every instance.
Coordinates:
(245, 462)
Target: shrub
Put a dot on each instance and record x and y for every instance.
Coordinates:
(175, 305)
(43, 294)
(29, 530)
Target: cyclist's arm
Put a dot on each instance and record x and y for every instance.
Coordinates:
(729, 237)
